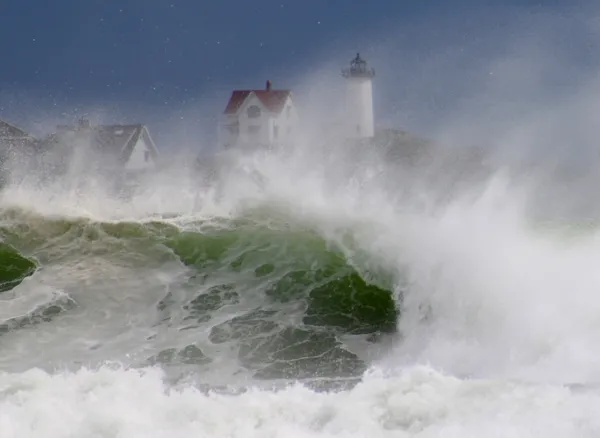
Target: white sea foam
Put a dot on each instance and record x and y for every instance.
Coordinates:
(415, 402)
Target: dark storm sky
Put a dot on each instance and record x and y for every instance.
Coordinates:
(175, 62)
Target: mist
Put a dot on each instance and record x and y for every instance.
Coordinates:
(519, 100)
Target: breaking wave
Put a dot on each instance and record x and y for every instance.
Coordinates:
(281, 299)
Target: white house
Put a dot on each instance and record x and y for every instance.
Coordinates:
(129, 147)
(258, 118)
(359, 118)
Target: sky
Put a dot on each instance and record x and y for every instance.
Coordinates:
(172, 64)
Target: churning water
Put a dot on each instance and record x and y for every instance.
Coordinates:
(293, 297)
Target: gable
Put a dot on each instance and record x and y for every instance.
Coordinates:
(116, 139)
(252, 101)
(140, 156)
(149, 143)
(288, 103)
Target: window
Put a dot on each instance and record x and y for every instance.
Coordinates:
(146, 156)
(275, 131)
(253, 129)
(253, 112)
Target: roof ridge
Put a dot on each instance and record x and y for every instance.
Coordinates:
(10, 125)
(272, 99)
(287, 90)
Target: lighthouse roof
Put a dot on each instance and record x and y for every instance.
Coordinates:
(358, 69)
(273, 100)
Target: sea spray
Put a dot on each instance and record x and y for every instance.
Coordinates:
(303, 302)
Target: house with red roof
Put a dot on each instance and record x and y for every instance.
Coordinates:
(258, 118)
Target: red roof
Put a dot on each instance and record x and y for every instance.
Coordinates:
(273, 100)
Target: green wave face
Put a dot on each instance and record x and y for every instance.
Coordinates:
(287, 299)
(289, 267)
(14, 268)
(278, 294)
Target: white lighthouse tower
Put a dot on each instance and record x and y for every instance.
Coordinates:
(359, 99)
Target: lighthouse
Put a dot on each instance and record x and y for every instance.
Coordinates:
(359, 99)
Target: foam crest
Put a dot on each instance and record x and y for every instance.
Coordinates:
(416, 402)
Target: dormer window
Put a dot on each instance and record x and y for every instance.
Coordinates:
(253, 112)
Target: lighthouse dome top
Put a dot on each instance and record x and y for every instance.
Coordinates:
(358, 69)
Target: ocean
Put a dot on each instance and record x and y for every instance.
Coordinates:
(302, 296)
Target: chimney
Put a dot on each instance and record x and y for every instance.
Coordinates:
(268, 88)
